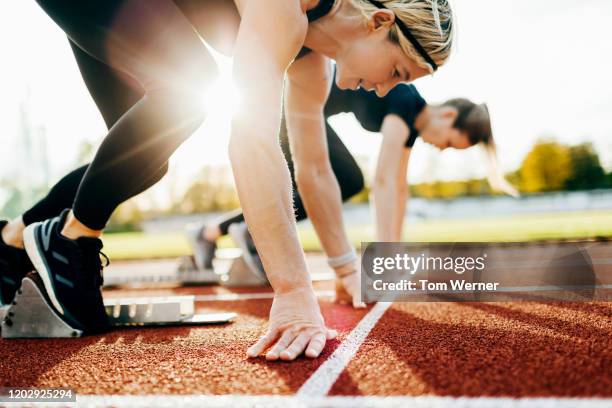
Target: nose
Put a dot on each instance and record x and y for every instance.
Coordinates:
(381, 93)
(366, 86)
(443, 146)
(384, 88)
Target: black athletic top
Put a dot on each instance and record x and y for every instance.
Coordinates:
(370, 110)
(320, 10)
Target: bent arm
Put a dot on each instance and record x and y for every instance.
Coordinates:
(390, 189)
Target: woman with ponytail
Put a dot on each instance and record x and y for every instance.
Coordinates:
(152, 50)
(401, 117)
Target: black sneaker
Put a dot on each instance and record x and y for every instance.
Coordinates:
(242, 237)
(14, 265)
(203, 249)
(71, 271)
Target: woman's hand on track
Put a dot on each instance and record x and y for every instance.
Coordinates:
(348, 286)
(296, 327)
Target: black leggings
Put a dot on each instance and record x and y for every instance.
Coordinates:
(150, 47)
(114, 96)
(141, 61)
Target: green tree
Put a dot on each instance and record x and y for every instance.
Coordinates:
(587, 172)
(477, 187)
(547, 167)
(86, 152)
(210, 192)
(14, 201)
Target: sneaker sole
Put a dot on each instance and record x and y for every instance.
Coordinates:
(192, 236)
(237, 233)
(31, 245)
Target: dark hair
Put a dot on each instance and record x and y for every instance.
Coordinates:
(473, 119)
(476, 122)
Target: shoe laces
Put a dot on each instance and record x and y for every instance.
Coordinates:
(100, 275)
(92, 256)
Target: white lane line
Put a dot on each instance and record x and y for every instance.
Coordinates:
(251, 296)
(321, 381)
(127, 277)
(239, 401)
(543, 288)
(233, 296)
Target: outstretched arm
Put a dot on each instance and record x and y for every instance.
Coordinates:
(270, 36)
(307, 89)
(390, 190)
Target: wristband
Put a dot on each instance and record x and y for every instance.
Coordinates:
(345, 274)
(338, 261)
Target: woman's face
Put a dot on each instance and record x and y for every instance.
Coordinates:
(440, 132)
(373, 61)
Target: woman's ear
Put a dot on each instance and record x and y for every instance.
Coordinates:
(448, 112)
(382, 18)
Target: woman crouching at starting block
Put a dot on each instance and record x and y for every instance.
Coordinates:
(155, 47)
(401, 117)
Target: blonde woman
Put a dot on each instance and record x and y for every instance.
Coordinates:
(401, 117)
(152, 45)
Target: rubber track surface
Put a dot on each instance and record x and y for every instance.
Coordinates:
(447, 349)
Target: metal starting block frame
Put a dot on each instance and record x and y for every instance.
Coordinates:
(185, 274)
(30, 316)
(235, 271)
(230, 269)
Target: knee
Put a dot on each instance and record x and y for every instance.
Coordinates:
(184, 89)
(172, 106)
(190, 76)
(160, 173)
(198, 74)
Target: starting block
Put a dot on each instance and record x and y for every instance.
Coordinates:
(235, 270)
(3, 311)
(229, 269)
(30, 316)
(185, 274)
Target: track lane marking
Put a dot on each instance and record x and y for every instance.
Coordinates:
(321, 381)
(250, 296)
(238, 401)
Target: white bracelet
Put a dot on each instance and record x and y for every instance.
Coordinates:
(338, 261)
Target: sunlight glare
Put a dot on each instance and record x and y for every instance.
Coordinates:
(222, 99)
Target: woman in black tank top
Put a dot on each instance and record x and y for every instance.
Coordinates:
(150, 50)
(401, 117)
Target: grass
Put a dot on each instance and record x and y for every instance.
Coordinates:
(523, 228)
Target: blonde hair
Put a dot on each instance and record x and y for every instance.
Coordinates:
(475, 121)
(495, 176)
(429, 21)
